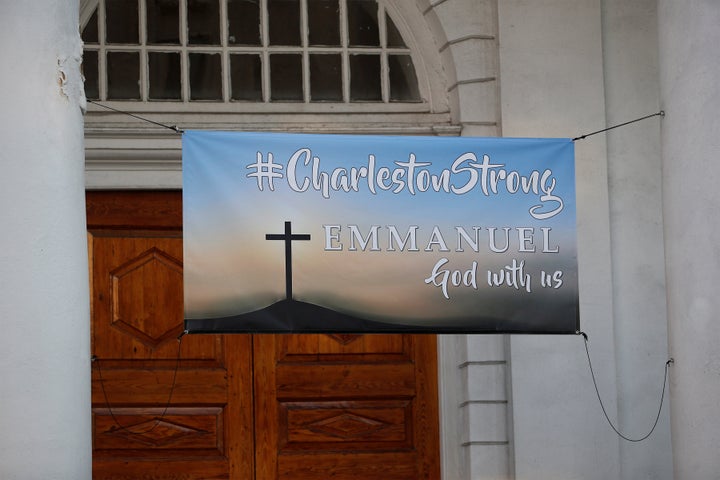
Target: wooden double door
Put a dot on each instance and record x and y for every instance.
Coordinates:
(244, 407)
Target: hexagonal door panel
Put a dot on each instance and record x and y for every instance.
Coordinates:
(152, 316)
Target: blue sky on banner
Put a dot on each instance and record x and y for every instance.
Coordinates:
(240, 186)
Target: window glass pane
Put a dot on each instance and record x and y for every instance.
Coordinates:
(203, 22)
(394, 39)
(286, 77)
(403, 82)
(205, 81)
(284, 18)
(90, 72)
(123, 75)
(164, 76)
(326, 77)
(90, 32)
(246, 77)
(121, 21)
(324, 22)
(365, 78)
(163, 22)
(363, 23)
(243, 22)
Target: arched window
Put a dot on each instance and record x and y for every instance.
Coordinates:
(323, 66)
(305, 51)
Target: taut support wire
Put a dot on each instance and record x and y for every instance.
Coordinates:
(661, 113)
(174, 128)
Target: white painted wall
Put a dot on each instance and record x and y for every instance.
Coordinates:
(568, 68)
(636, 229)
(690, 75)
(551, 70)
(44, 345)
(524, 406)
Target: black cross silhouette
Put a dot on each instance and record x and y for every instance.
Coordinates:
(288, 236)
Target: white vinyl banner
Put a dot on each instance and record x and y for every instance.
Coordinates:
(352, 233)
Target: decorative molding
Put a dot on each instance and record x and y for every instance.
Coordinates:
(347, 426)
(482, 363)
(465, 39)
(485, 443)
(432, 6)
(156, 432)
(482, 402)
(133, 316)
(344, 338)
(471, 81)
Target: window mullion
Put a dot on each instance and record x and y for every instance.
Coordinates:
(265, 34)
(225, 57)
(384, 66)
(184, 56)
(102, 54)
(345, 60)
(304, 41)
(144, 61)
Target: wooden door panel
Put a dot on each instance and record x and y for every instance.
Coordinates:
(137, 299)
(196, 430)
(393, 465)
(329, 347)
(243, 407)
(161, 409)
(346, 407)
(347, 380)
(142, 385)
(137, 469)
(345, 425)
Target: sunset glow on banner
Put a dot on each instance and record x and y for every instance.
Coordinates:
(353, 233)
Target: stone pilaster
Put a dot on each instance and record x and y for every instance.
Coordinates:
(44, 312)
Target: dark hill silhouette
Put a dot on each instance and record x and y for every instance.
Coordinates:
(292, 316)
(295, 316)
